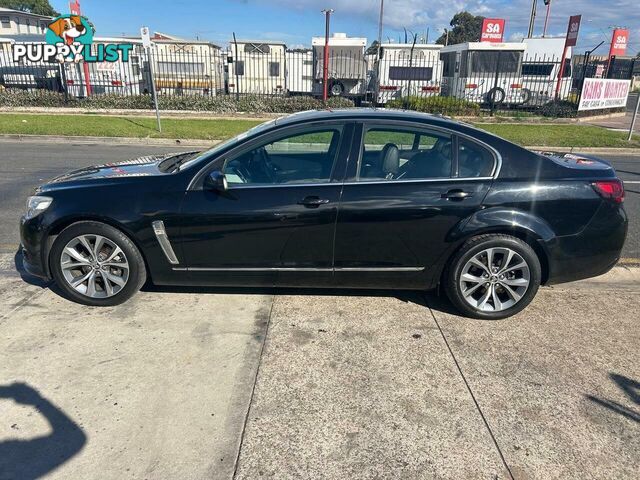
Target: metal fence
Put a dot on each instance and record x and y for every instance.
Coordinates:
(419, 76)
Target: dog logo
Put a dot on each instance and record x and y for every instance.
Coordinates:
(70, 30)
(69, 38)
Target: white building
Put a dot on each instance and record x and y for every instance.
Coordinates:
(257, 67)
(15, 22)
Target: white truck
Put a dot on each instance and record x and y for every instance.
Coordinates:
(347, 66)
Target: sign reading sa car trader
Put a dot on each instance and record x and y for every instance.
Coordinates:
(492, 30)
(598, 93)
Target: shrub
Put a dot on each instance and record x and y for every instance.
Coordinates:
(559, 109)
(438, 105)
(215, 104)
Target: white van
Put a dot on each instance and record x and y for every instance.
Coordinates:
(541, 68)
(406, 69)
(483, 72)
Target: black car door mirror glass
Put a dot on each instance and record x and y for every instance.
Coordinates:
(217, 180)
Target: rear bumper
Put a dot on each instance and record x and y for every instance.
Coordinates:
(591, 252)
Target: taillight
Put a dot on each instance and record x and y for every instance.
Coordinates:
(610, 189)
(471, 85)
(388, 87)
(516, 85)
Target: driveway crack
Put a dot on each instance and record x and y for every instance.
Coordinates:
(473, 397)
(253, 389)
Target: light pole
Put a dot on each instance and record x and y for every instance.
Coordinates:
(532, 19)
(377, 84)
(325, 66)
(546, 17)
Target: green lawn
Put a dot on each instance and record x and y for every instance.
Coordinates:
(565, 135)
(554, 135)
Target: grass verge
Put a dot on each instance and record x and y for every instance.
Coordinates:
(569, 135)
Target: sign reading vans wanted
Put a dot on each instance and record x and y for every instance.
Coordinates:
(599, 93)
(492, 30)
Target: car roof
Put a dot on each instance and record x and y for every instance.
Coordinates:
(367, 114)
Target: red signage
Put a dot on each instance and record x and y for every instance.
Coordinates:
(74, 7)
(492, 30)
(619, 42)
(572, 31)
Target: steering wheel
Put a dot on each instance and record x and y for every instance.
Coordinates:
(266, 165)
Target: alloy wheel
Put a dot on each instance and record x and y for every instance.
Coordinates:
(494, 279)
(94, 266)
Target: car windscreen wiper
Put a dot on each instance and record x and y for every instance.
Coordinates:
(173, 163)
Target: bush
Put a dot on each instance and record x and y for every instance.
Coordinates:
(215, 104)
(559, 109)
(438, 105)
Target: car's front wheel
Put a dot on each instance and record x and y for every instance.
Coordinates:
(96, 264)
(493, 276)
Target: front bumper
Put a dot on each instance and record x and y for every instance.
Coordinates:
(591, 252)
(34, 247)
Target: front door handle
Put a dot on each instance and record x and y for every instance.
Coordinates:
(456, 195)
(313, 202)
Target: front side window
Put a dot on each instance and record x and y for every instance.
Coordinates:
(297, 158)
(274, 69)
(398, 154)
(4, 22)
(473, 160)
(240, 67)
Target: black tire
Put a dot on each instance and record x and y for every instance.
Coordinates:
(526, 96)
(137, 272)
(476, 245)
(496, 96)
(336, 88)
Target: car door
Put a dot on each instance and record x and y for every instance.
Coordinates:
(407, 188)
(275, 223)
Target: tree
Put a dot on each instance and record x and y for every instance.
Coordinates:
(373, 48)
(38, 7)
(466, 28)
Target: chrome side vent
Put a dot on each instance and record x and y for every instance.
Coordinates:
(163, 240)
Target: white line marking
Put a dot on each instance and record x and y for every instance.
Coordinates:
(631, 181)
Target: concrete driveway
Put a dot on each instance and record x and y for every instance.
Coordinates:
(182, 384)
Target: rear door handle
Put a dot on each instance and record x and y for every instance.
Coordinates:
(456, 195)
(313, 202)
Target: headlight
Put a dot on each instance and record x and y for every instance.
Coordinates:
(36, 205)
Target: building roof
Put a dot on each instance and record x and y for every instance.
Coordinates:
(427, 46)
(259, 42)
(10, 10)
(458, 47)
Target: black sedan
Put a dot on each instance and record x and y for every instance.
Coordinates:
(354, 198)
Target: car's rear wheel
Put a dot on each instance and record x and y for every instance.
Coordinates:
(95, 264)
(493, 276)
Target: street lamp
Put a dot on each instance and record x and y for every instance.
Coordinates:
(325, 66)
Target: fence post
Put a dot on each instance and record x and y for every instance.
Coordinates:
(153, 88)
(495, 85)
(633, 119)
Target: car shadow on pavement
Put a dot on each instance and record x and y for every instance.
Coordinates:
(631, 389)
(429, 299)
(35, 457)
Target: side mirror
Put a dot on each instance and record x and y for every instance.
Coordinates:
(216, 180)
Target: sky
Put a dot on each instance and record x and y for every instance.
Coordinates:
(296, 21)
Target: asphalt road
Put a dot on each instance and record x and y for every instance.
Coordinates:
(24, 165)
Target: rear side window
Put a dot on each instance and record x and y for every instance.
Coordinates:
(474, 160)
(394, 154)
